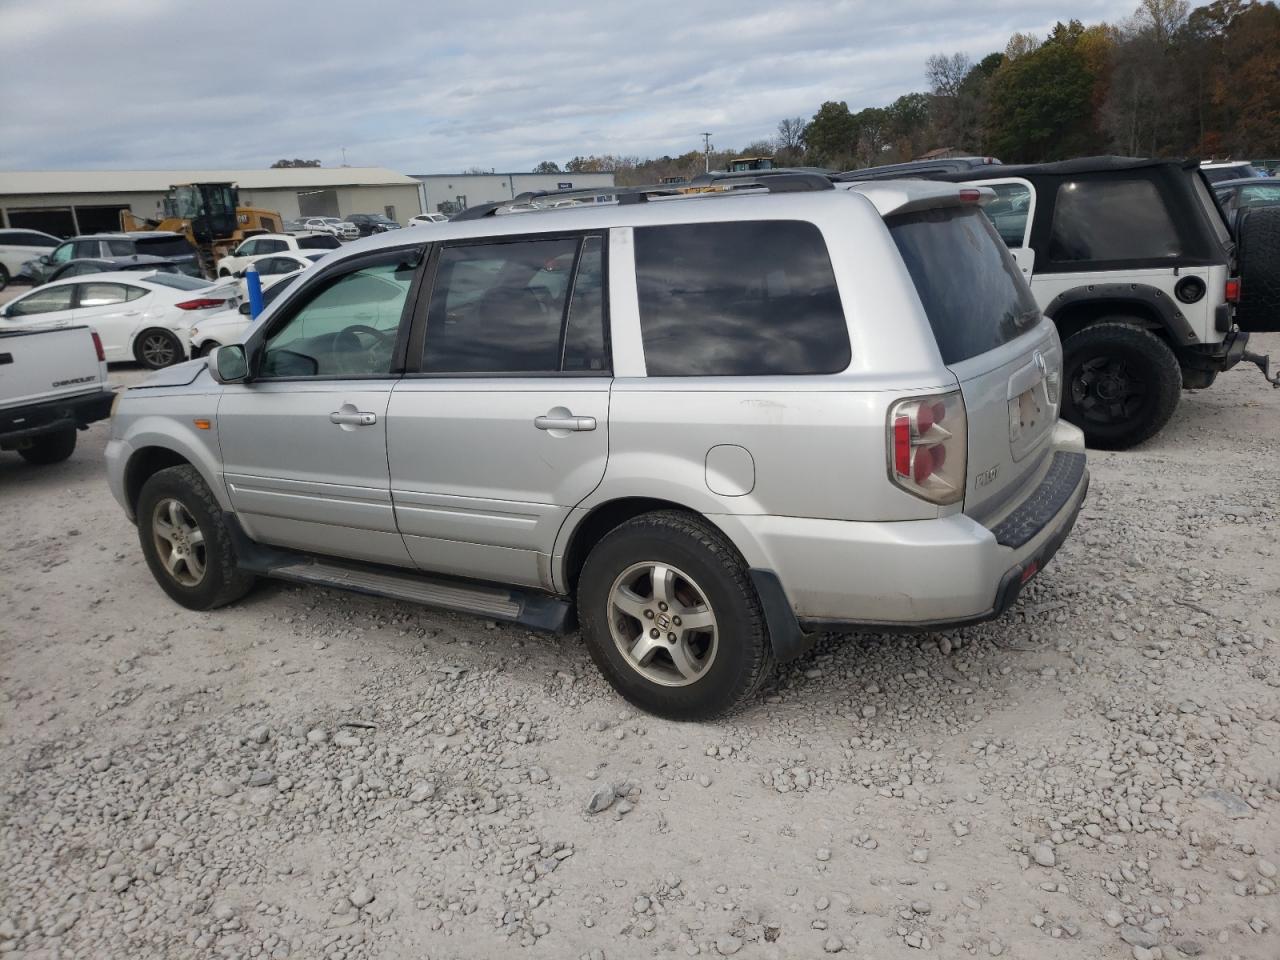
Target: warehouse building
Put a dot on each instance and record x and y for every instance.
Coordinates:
(450, 192)
(66, 203)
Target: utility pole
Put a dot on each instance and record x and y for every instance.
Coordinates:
(706, 152)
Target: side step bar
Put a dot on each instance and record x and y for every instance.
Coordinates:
(528, 608)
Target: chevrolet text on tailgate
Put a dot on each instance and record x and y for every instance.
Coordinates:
(703, 426)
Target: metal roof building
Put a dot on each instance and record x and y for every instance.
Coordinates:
(68, 202)
(451, 192)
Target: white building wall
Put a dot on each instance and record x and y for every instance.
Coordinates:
(443, 191)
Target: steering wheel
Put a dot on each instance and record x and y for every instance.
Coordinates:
(353, 354)
(382, 336)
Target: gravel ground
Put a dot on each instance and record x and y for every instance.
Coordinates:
(316, 774)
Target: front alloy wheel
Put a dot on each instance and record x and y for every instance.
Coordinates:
(179, 542)
(662, 624)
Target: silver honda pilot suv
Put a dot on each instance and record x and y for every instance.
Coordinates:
(703, 426)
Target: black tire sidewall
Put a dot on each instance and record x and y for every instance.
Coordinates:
(4, 277)
(180, 483)
(730, 676)
(1258, 256)
(152, 331)
(50, 448)
(1148, 357)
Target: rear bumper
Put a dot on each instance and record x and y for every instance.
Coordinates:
(838, 576)
(49, 416)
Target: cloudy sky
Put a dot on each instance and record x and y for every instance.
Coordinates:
(429, 85)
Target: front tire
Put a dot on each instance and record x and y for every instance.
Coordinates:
(50, 448)
(1121, 384)
(671, 618)
(186, 543)
(158, 348)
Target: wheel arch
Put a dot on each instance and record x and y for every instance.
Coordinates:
(584, 532)
(1073, 310)
(150, 458)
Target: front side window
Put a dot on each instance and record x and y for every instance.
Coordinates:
(272, 246)
(324, 241)
(1099, 219)
(512, 307)
(102, 294)
(346, 327)
(743, 298)
(42, 301)
(1009, 211)
(248, 249)
(62, 254)
(86, 248)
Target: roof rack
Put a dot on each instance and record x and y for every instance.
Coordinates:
(782, 182)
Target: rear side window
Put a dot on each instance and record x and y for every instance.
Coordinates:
(120, 248)
(178, 281)
(743, 298)
(1111, 220)
(518, 307)
(319, 242)
(966, 278)
(102, 294)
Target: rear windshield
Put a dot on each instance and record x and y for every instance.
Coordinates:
(179, 281)
(970, 287)
(164, 246)
(322, 241)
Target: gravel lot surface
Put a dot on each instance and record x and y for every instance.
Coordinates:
(315, 774)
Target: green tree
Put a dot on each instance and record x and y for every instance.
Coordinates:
(547, 166)
(1041, 103)
(831, 135)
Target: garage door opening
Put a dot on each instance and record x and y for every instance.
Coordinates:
(99, 219)
(318, 203)
(57, 221)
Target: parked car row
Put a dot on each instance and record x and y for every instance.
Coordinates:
(137, 316)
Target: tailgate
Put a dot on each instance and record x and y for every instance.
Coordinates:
(1011, 404)
(39, 365)
(992, 337)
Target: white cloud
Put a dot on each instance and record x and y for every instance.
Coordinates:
(437, 86)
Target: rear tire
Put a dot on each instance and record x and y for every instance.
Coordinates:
(1121, 384)
(186, 543)
(156, 348)
(689, 646)
(50, 448)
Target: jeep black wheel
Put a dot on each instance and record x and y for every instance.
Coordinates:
(671, 618)
(186, 542)
(1121, 384)
(1258, 255)
(50, 447)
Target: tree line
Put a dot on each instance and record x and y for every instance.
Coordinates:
(1168, 81)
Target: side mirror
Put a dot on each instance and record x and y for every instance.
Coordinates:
(229, 364)
(245, 309)
(238, 274)
(44, 258)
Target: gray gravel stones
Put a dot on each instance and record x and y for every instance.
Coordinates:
(221, 788)
(360, 897)
(601, 800)
(1043, 855)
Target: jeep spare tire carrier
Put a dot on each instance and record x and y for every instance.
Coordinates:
(1258, 264)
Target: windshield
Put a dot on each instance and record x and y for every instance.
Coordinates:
(165, 246)
(179, 281)
(970, 287)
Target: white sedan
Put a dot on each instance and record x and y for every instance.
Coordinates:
(274, 267)
(145, 317)
(424, 219)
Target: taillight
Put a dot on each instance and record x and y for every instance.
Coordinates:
(927, 447)
(97, 345)
(200, 303)
(1232, 291)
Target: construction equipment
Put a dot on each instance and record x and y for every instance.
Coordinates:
(210, 216)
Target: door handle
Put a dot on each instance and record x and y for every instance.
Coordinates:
(564, 423)
(357, 419)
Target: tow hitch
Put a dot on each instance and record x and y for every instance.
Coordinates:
(1263, 362)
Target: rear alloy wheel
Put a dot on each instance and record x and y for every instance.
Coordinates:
(158, 348)
(1122, 384)
(671, 617)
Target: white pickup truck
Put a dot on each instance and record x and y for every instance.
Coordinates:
(52, 383)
